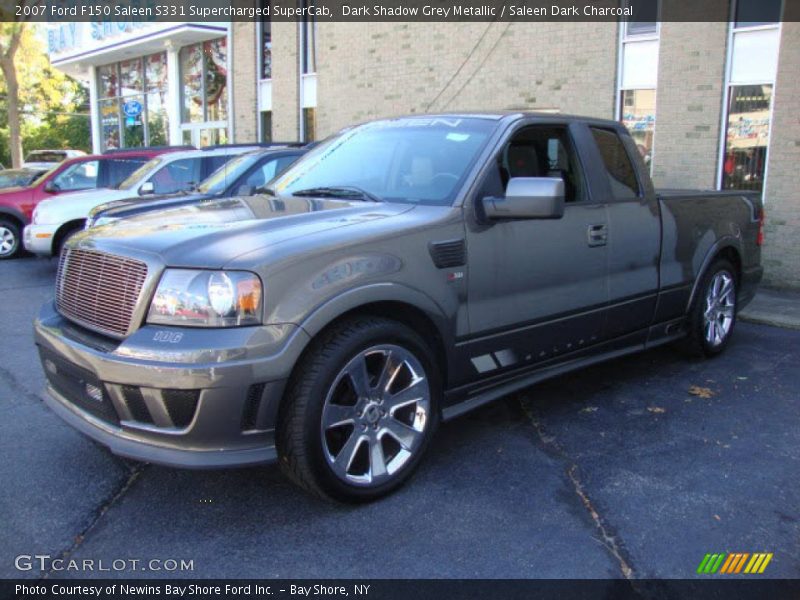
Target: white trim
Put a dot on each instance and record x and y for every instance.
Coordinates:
(174, 95)
(772, 115)
(756, 27)
(229, 84)
(259, 72)
(94, 113)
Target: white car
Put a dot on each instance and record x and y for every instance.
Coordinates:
(55, 220)
(47, 159)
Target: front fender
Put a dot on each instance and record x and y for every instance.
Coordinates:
(372, 293)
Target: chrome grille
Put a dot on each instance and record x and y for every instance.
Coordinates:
(99, 290)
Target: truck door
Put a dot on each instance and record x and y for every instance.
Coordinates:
(634, 233)
(537, 289)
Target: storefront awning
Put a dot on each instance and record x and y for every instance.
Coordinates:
(75, 47)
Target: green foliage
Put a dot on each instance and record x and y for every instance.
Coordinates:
(48, 100)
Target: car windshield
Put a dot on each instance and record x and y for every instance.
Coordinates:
(140, 173)
(423, 160)
(46, 156)
(17, 177)
(219, 180)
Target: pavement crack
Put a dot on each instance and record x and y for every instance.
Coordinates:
(552, 447)
(65, 555)
(11, 380)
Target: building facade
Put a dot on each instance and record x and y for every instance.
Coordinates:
(712, 103)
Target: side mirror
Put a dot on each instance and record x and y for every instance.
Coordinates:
(528, 198)
(245, 190)
(147, 188)
(51, 187)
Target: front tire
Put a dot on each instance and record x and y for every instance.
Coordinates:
(360, 411)
(712, 317)
(10, 239)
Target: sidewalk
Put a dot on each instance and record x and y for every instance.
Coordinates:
(773, 307)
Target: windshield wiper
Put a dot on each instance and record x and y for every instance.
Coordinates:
(340, 191)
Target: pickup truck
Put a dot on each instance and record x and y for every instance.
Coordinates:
(402, 273)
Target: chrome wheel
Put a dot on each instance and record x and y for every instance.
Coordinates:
(375, 415)
(8, 241)
(719, 308)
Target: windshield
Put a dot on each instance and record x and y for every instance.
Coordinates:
(219, 180)
(420, 160)
(140, 173)
(46, 156)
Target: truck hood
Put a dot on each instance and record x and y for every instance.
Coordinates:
(128, 207)
(213, 233)
(77, 205)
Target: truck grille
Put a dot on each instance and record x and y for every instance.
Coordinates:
(99, 290)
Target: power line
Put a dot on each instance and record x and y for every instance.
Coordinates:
(463, 64)
(480, 66)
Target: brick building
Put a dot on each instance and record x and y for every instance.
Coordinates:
(712, 103)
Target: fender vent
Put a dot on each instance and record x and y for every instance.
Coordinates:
(448, 254)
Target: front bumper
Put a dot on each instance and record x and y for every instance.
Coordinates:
(196, 398)
(38, 239)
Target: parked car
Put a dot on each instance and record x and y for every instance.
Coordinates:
(47, 159)
(19, 177)
(408, 271)
(56, 220)
(244, 175)
(82, 173)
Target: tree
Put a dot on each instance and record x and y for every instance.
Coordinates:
(10, 39)
(46, 99)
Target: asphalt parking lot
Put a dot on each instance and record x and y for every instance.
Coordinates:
(636, 468)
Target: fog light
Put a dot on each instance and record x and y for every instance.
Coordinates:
(94, 392)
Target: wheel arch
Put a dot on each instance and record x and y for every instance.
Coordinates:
(63, 231)
(405, 305)
(8, 212)
(728, 248)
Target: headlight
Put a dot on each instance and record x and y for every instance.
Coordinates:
(35, 217)
(196, 298)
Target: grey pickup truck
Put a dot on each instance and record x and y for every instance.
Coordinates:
(403, 272)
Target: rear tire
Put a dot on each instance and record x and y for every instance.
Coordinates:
(712, 317)
(10, 239)
(360, 410)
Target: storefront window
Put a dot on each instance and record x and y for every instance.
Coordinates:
(644, 20)
(747, 137)
(754, 13)
(204, 75)
(639, 116)
(266, 48)
(109, 123)
(309, 124)
(216, 71)
(133, 102)
(266, 126)
(192, 76)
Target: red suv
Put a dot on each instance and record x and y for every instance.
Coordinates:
(81, 173)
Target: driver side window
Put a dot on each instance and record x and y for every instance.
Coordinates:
(80, 176)
(536, 151)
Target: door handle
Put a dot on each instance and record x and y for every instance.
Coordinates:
(597, 235)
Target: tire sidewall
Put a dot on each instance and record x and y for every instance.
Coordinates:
(387, 332)
(11, 226)
(718, 266)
